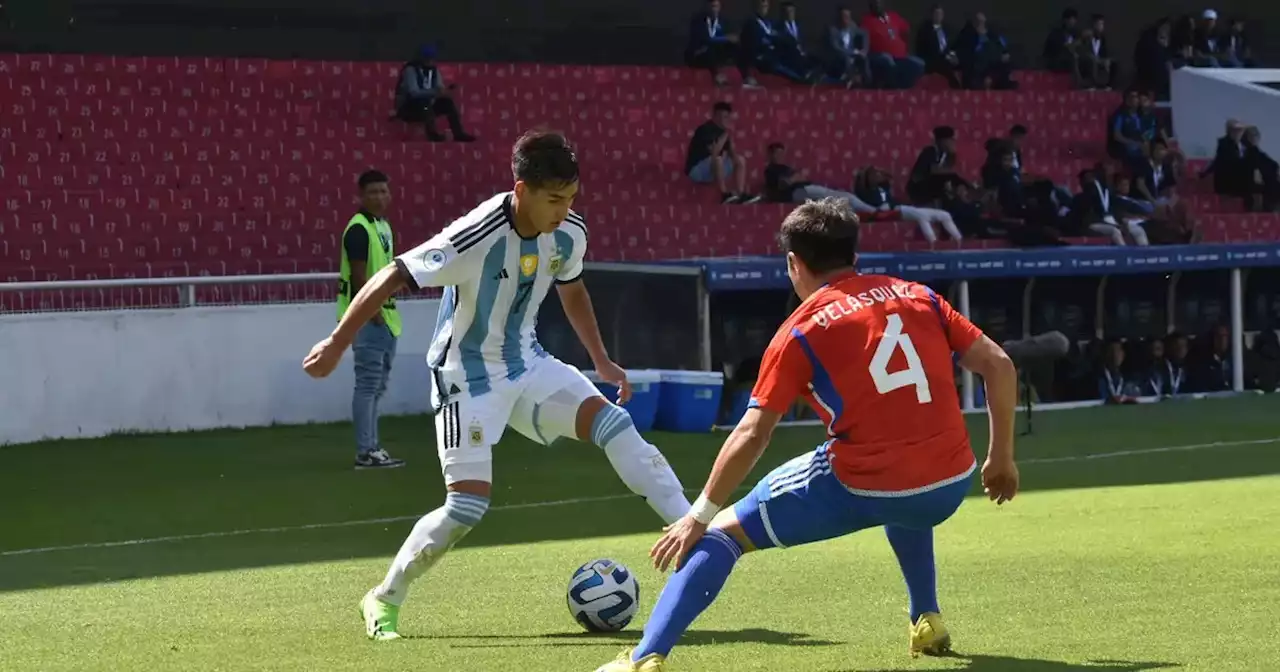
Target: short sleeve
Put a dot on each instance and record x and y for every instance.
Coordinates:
(961, 333)
(435, 263)
(571, 239)
(356, 243)
(785, 372)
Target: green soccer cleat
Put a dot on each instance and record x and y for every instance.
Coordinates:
(380, 618)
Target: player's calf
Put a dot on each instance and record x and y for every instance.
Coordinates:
(639, 463)
(432, 537)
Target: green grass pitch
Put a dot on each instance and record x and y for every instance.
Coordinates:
(1145, 538)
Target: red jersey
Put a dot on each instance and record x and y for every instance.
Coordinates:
(872, 355)
(886, 34)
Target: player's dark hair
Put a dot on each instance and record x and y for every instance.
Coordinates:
(943, 133)
(1018, 130)
(543, 159)
(369, 177)
(823, 234)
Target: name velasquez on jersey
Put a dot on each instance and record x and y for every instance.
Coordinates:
(495, 281)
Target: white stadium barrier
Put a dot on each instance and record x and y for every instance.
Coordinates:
(1203, 99)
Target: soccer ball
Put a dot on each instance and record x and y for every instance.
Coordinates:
(603, 596)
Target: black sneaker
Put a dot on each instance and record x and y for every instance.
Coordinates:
(728, 199)
(748, 199)
(377, 459)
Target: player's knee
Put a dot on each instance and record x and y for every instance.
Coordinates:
(466, 508)
(609, 423)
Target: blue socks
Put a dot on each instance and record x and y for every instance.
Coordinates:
(689, 592)
(914, 549)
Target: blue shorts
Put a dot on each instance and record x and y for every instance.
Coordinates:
(802, 502)
(701, 172)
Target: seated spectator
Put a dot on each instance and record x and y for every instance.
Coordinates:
(996, 147)
(1113, 386)
(1168, 220)
(1263, 173)
(421, 95)
(1097, 68)
(711, 159)
(1154, 381)
(784, 184)
(1183, 38)
(791, 45)
(1092, 210)
(1209, 48)
(1262, 367)
(1236, 45)
(1154, 176)
(764, 46)
(1124, 131)
(1029, 216)
(1154, 128)
(847, 56)
(984, 57)
(968, 212)
(1176, 348)
(1155, 56)
(933, 46)
(711, 47)
(891, 66)
(1210, 371)
(1059, 53)
(1231, 176)
(874, 188)
(934, 167)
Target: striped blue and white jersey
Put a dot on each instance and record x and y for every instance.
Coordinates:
(494, 282)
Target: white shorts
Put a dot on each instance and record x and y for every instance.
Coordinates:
(468, 427)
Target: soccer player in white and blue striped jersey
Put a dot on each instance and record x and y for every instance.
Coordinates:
(497, 263)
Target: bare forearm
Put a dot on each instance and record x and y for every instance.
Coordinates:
(1001, 384)
(582, 317)
(736, 459)
(367, 303)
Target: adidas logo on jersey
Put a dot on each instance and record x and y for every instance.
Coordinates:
(502, 275)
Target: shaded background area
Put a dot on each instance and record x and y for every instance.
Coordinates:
(564, 31)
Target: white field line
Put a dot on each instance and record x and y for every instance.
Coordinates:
(567, 502)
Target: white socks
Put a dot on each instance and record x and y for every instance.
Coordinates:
(639, 463)
(432, 536)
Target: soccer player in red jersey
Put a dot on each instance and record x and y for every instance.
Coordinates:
(873, 355)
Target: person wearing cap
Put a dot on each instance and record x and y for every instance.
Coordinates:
(1209, 45)
(422, 95)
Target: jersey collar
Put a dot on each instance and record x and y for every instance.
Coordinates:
(511, 218)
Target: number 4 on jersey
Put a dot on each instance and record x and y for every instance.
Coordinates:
(894, 338)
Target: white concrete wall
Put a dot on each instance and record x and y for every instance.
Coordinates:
(91, 374)
(1204, 99)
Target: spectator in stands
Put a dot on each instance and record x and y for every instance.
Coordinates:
(764, 46)
(847, 56)
(1211, 370)
(1168, 221)
(1231, 176)
(1154, 176)
(1060, 53)
(784, 184)
(985, 62)
(367, 247)
(711, 47)
(1124, 130)
(1042, 188)
(1263, 172)
(891, 66)
(1210, 48)
(1176, 348)
(1093, 210)
(791, 45)
(1262, 368)
(1155, 376)
(934, 166)
(422, 95)
(968, 211)
(933, 46)
(1155, 56)
(1098, 70)
(874, 188)
(712, 160)
(1236, 44)
(1154, 128)
(1113, 386)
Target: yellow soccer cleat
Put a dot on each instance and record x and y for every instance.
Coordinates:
(650, 663)
(929, 636)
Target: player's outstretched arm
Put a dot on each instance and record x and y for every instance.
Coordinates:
(1000, 378)
(577, 305)
(326, 354)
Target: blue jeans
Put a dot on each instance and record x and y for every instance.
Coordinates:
(374, 350)
(896, 73)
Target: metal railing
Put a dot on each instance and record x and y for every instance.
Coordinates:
(183, 292)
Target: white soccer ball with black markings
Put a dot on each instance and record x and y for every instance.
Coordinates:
(603, 596)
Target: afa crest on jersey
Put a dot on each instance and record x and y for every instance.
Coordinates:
(529, 264)
(553, 267)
